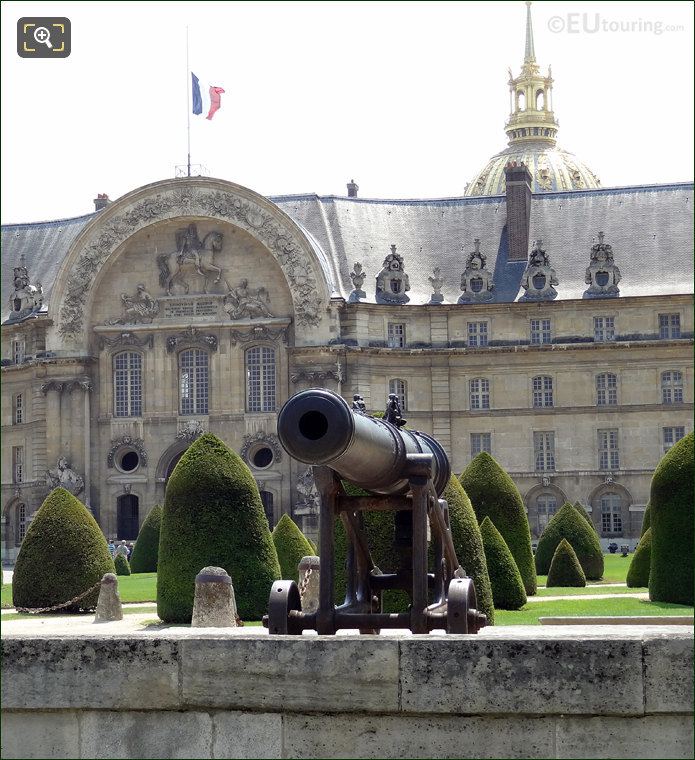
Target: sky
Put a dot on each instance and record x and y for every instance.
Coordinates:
(407, 98)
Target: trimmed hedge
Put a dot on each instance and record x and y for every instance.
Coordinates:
(646, 521)
(585, 515)
(122, 566)
(63, 554)
(493, 494)
(568, 523)
(146, 549)
(565, 569)
(638, 572)
(291, 545)
(507, 586)
(213, 516)
(671, 514)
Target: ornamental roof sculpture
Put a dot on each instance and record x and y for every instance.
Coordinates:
(539, 277)
(392, 282)
(476, 281)
(602, 274)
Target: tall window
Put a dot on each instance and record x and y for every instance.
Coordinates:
(672, 387)
(606, 389)
(193, 381)
(18, 411)
(543, 391)
(608, 453)
(477, 334)
(20, 523)
(479, 394)
(260, 379)
(127, 384)
(267, 501)
(611, 517)
(480, 442)
(18, 350)
(540, 331)
(546, 507)
(18, 464)
(672, 435)
(396, 335)
(669, 325)
(604, 329)
(400, 388)
(544, 451)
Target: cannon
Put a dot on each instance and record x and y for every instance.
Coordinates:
(404, 471)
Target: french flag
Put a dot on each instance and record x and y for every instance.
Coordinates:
(213, 98)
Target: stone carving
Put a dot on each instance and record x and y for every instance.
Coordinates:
(266, 439)
(134, 443)
(358, 405)
(357, 276)
(52, 385)
(243, 301)
(125, 339)
(191, 254)
(318, 376)
(545, 480)
(109, 603)
(543, 178)
(308, 499)
(393, 411)
(602, 274)
(255, 334)
(392, 282)
(27, 299)
(539, 277)
(63, 476)
(214, 602)
(476, 281)
(81, 384)
(437, 282)
(576, 177)
(189, 337)
(190, 430)
(292, 257)
(138, 308)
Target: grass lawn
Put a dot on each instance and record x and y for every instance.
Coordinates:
(126, 611)
(593, 588)
(615, 568)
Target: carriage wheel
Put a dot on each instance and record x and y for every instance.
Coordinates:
(462, 614)
(284, 597)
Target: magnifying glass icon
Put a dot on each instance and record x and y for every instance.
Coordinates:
(43, 36)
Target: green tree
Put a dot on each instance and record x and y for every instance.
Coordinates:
(671, 513)
(493, 494)
(63, 554)
(122, 565)
(565, 569)
(291, 545)
(646, 521)
(568, 523)
(638, 572)
(146, 549)
(213, 515)
(507, 586)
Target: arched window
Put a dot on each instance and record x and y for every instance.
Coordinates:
(520, 100)
(611, 514)
(194, 381)
(400, 388)
(606, 389)
(542, 391)
(479, 393)
(672, 387)
(546, 507)
(540, 100)
(20, 523)
(127, 384)
(260, 379)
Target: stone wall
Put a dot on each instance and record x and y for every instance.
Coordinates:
(528, 693)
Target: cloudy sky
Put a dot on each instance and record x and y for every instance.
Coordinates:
(410, 99)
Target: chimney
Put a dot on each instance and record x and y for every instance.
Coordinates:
(352, 189)
(518, 181)
(101, 201)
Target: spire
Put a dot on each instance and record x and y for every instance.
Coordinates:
(529, 52)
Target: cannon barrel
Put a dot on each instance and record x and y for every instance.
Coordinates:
(318, 427)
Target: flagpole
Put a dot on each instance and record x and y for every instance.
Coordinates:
(188, 104)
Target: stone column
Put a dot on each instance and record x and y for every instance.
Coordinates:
(86, 386)
(52, 389)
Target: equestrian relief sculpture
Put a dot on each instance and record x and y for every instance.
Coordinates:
(192, 256)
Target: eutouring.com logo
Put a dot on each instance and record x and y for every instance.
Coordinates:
(43, 37)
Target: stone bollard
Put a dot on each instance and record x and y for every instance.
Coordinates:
(214, 605)
(109, 603)
(309, 583)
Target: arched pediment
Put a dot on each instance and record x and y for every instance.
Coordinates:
(302, 266)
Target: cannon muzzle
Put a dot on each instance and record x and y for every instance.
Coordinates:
(319, 428)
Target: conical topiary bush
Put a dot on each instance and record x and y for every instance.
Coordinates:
(291, 545)
(565, 569)
(638, 572)
(493, 494)
(122, 565)
(585, 515)
(468, 543)
(646, 521)
(213, 516)
(63, 554)
(568, 523)
(146, 549)
(671, 514)
(507, 586)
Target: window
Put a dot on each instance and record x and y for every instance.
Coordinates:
(18, 412)
(479, 393)
(611, 517)
(606, 389)
(542, 391)
(604, 329)
(18, 464)
(267, 501)
(20, 523)
(127, 384)
(400, 388)
(608, 454)
(480, 442)
(669, 325)
(477, 334)
(672, 435)
(546, 507)
(260, 379)
(193, 381)
(544, 451)
(396, 335)
(18, 350)
(540, 331)
(672, 387)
